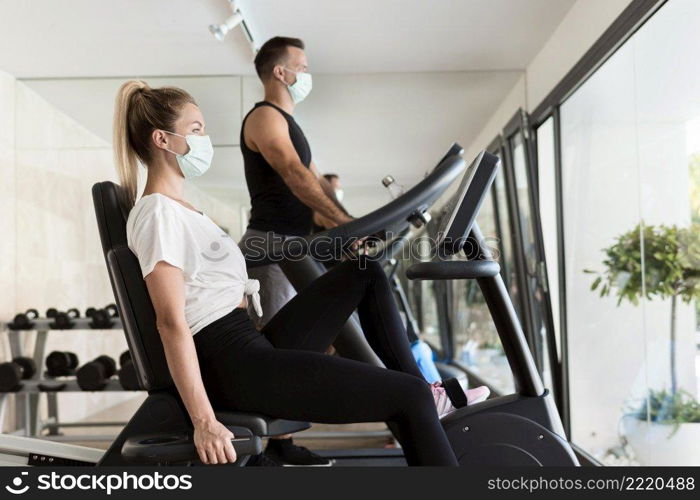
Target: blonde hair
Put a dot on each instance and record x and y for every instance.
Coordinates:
(138, 111)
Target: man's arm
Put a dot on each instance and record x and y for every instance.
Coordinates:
(267, 131)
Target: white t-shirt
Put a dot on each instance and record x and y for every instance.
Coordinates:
(161, 229)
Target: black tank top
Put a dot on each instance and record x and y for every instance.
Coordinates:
(274, 206)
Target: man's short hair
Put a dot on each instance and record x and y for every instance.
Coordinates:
(330, 177)
(272, 53)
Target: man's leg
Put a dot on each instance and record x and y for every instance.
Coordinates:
(275, 292)
(312, 319)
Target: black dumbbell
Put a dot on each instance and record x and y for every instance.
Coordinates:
(23, 321)
(63, 320)
(112, 310)
(101, 318)
(51, 312)
(124, 357)
(127, 376)
(127, 373)
(11, 373)
(61, 364)
(94, 375)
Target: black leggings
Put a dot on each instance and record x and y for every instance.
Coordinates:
(282, 371)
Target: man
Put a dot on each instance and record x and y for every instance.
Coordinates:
(285, 187)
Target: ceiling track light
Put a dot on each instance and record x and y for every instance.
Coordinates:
(221, 30)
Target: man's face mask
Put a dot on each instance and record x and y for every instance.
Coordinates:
(198, 159)
(301, 88)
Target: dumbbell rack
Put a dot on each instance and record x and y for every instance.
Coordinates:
(27, 398)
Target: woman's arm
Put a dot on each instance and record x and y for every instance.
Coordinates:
(166, 288)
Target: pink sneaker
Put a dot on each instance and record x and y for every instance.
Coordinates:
(444, 405)
(442, 400)
(478, 394)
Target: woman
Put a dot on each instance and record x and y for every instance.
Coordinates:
(197, 281)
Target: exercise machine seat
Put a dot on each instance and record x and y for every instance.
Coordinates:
(138, 316)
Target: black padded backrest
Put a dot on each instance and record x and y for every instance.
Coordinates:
(135, 307)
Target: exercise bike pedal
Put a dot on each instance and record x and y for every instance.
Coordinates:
(455, 392)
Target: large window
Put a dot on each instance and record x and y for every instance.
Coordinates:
(504, 241)
(630, 138)
(546, 168)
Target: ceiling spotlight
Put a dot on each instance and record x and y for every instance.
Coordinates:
(220, 30)
(237, 18)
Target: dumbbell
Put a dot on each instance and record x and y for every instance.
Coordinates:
(61, 364)
(94, 375)
(101, 318)
(62, 320)
(11, 373)
(124, 357)
(23, 321)
(127, 373)
(112, 310)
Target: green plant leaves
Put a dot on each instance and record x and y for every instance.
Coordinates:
(652, 261)
(664, 407)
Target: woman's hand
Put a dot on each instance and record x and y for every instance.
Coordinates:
(213, 442)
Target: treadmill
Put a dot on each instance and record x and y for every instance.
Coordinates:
(384, 226)
(300, 258)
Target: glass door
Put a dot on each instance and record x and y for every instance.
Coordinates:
(536, 313)
(503, 226)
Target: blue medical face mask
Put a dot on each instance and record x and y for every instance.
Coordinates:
(300, 89)
(198, 159)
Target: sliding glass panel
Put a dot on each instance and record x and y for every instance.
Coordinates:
(537, 318)
(505, 237)
(606, 342)
(547, 189)
(667, 120)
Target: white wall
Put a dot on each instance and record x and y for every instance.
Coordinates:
(579, 29)
(7, 195)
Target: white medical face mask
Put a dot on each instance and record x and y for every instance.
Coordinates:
(339, 193)
(301, 88)
(198, 159)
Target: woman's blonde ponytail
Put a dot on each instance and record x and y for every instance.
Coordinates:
(138, 111)
(125, 156)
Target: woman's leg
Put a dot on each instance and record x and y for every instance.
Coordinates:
(312, 319)
(302, 385)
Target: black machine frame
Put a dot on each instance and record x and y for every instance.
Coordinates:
(520, 428)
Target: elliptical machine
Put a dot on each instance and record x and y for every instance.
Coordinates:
(518, 429)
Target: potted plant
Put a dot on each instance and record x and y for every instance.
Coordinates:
(658, 262)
